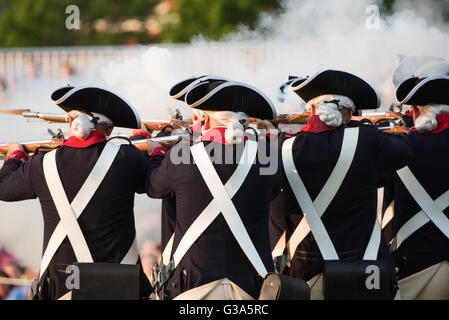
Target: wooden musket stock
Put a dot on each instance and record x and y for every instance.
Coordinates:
(31, 147)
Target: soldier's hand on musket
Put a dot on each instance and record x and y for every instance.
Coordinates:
(152, 146)
(12, 147)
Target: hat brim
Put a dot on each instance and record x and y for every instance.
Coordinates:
(423, 91)
(98, 100)
(364, 95)
(179, 90)
(231, 96)
(405, 87)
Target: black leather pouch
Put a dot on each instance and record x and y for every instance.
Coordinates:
(281, 287)
(356, 280)
(107, 281)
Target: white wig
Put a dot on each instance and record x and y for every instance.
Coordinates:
(235, 123)
(198, 113)
(427, 121)
(328, 110)
(83, 124)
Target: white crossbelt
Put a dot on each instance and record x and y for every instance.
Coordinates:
(226, 206)
(212, 211)
(386, 217)
(70, 212)
(432, 210)
(313, 210)
(222, 203)
(329, 190)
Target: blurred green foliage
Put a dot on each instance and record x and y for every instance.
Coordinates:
(215, 18)
(28, 23)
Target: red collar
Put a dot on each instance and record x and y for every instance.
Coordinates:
(443, 124)
(315, 125)
(217, 135)
(409, 113)
(95, 137)
(197, 127)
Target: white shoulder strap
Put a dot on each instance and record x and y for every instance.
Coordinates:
(78, 205)
(388, 215)
(372, 249)
(330, 188)
(223, 199)
(280, 246)
(431, 210)
(213, 209)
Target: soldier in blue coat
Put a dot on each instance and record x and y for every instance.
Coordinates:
(331, 172)
(221, 248)
(421, 210)
(86, 188)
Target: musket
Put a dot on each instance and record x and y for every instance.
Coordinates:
(178, 123)
(32, 146)
(300, 118)
(390, 122)
(152, 125)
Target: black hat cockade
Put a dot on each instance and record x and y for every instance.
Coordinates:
(423, 91)
(364, 95)
(179, 90)
(98, 100)
(228, 95)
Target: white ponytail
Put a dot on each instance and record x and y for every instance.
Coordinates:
(329, 112)
(427, 121)
(235, 123)
(82, 125)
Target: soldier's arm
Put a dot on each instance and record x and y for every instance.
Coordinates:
(393, 152)
(15, 178)
(158, 182)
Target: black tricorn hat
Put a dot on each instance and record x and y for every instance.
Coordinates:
(230, 96)
(179, 90)
(423, 91)
(98, 100)
(364, 95)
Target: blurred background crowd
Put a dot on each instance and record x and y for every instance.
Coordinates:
(14, 277)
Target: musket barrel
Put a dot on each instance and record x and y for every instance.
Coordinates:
(31, 146)
(14, 111)
(46, 116)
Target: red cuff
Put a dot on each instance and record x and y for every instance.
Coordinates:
(18, 155)
(159, 151)
(141, 133)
